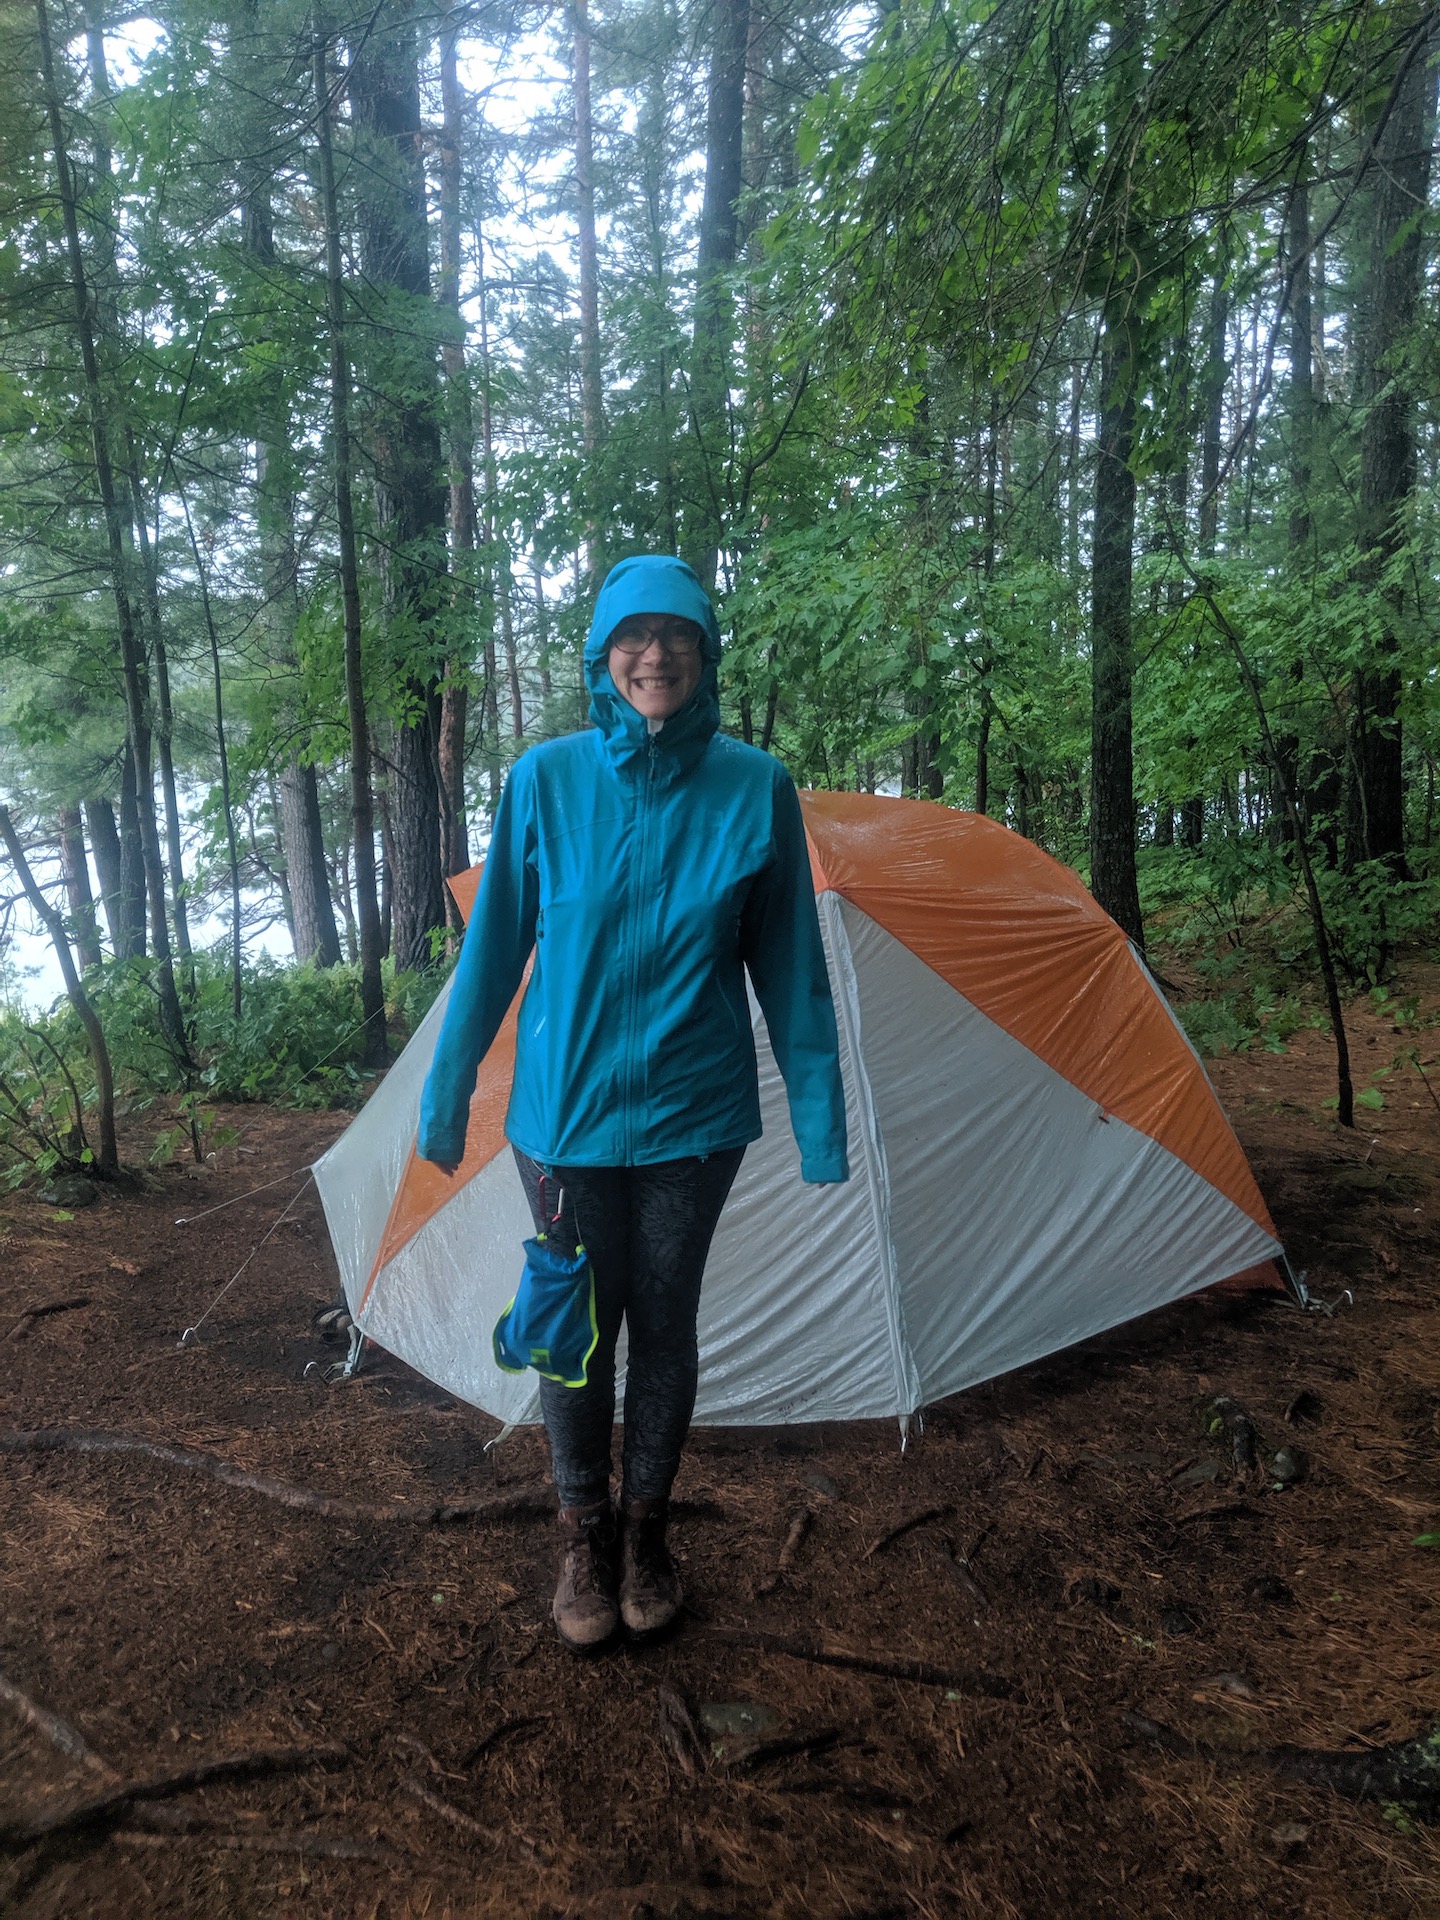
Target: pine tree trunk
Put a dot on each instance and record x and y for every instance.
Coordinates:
(591, 403)
(1300, 407)
(460, 435)
(714, 319)
(132, 659)
(411, 503)
(1401, 180)
(362, 803)
(132, 861)
(76, 871)
(1112, 774)
(302, 837)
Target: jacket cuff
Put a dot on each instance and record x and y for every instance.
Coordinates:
(434, 1147)
(824, 1169)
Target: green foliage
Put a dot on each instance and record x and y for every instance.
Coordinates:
(297, 1043)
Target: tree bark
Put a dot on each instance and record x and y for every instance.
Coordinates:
(592, 417)
(1300, 408)
(76, 870)
(301, 833)
(1376, 810)
(362, 803)
(713, 332)
(460, 433)
(411, 501)
(132, 659)
(1112, 773)
(132, 859)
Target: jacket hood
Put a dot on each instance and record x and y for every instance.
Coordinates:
(652, 583)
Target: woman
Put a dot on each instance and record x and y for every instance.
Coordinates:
(648, 863)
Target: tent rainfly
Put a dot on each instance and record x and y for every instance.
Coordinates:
(1036, 1154)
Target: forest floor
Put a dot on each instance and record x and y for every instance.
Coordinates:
(1075, 1533)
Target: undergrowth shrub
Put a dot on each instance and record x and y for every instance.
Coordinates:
(1233, 916)
(298, 1041)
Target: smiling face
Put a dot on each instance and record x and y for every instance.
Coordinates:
(655, 662)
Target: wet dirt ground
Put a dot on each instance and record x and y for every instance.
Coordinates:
(1057, 1551)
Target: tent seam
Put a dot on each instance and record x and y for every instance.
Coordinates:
(877, 1172)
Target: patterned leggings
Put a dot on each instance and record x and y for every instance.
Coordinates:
(647, 1231)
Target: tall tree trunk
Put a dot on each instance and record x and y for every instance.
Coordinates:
(105, 842)
(591, 402)
(164, 714)
(301, 833)
(362, 802)
(490, 693)
(1300, 408)
(411, 500)
(76, 870)
(1113, 877)
(1401, 175)
(460, 434)
(117, 529)
(1192, 810)
(132, 859)
(714, 319)
(105, 230)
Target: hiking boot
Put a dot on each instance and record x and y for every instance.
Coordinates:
(584, 1608)
(649, 1583)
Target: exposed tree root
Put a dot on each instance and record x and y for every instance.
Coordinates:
(521, 1503)
(154, 1826)
(991, 1686)
(105, 1809)
(453, 1815)
(908, 1525)
(31, 1314)
(59, 1732)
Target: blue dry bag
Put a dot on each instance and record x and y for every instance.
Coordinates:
(550, 1325)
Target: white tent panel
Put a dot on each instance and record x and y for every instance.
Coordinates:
(436, 1303)
(797, 1308)
(1023, 1220)
(358, 1177)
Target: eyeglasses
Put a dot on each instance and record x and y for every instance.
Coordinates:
(681, 638)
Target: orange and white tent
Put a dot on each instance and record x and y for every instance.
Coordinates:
(1036, 1153)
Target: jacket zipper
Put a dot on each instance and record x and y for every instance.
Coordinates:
(637, 909)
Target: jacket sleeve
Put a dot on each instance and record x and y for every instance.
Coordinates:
(487, 975)
(781, 946)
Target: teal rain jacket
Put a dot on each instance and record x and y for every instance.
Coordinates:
(648, 872)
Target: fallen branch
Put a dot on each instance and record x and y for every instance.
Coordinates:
(104, 1809)
(1226, 1510)
(958, 1569)
(497, 1734)
(799, 1527)
(69, 1740)
(463, 1822)
(788, 1745)
(31, 1314)
(992, 1686)
(521, 1503)
(155, 1825)
(1406, 1774)
(905, 1526)
(678, 1731)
